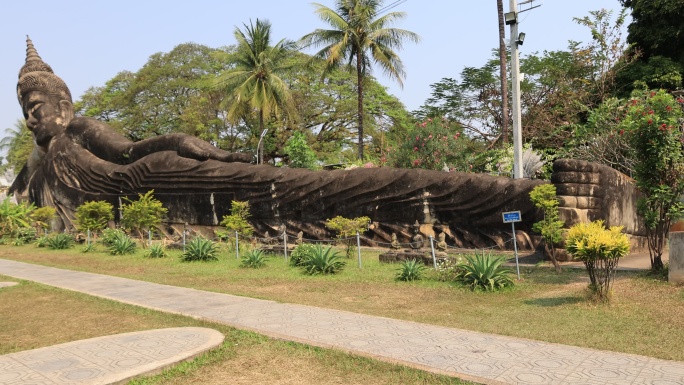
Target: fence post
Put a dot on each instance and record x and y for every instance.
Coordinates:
(237, 246)
(358, 247)
(432, 248)
(185, 225)
(285, 241)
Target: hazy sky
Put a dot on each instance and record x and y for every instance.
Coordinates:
(89, 42)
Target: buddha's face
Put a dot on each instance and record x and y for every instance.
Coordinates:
(45, 117)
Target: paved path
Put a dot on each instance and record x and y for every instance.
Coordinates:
(484, 358)
(107, 360)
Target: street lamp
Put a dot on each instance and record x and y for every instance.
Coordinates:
(260, 155)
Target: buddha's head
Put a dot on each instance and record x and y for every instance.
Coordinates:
(44, 98)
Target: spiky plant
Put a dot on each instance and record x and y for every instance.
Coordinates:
(410, 270)
(484, 272)
(322, 261)
(255, 259)
(200, 249)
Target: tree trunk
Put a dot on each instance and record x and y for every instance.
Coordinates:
(551, 252)
(359, 76)
(502, 71)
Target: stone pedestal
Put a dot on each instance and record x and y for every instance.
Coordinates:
(676, 269)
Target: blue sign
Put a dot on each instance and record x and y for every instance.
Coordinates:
(512, 216)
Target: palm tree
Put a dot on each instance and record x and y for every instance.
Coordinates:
(359, 36)
(18, 145)
(253, 84)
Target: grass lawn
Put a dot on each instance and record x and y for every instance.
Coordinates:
(645, 316)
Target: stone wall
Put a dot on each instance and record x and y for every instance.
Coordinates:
(589, 191)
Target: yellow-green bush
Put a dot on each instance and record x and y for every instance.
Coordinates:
(600, 249)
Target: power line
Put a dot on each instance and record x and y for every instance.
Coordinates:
(390, 6)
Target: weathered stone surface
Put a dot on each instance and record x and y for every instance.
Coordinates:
(591, 192)
(676, 258)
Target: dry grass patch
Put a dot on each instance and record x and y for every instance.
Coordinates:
(34, 315)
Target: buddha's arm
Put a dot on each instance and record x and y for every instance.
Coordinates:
(186, 146)
(100, 139)
(104, 142)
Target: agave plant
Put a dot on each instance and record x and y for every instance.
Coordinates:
(322, 261)
(484, 272)
(254, 259)
(156, 251)
(200, 249)
(410, 270)
(121, 244)
(60, 241)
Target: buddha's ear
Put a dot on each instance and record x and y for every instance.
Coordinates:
(67, 110)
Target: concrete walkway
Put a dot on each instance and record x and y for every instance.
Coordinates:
(107, 360)
(483, 358)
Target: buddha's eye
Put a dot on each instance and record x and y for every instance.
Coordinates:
(34, 108)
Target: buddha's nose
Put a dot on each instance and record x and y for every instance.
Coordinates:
(31, 122)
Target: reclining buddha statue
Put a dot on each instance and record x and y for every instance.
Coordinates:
(79, 159)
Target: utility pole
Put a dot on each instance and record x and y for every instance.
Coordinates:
(515, 90)
(516, 40)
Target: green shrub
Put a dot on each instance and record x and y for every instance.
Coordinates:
(255, 259)
(93, 216)
(156, 251)
(142, 215)
(14, 216)
(410, 270)
(24, 235)
(109, 235)
(550, 227)
(121, 244)
(448, 269)
(347, 229)
(301, 252)
(42, 217)
(300, 155)
(200, 249)
(322, 261)
(238, 220)
(484, 272)
(60, 241)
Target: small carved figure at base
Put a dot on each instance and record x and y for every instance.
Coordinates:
(417, 241)
(394, 244)
(441, 242)
(300, 238)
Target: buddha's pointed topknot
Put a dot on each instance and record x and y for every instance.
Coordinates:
(31, 53)
(36, 75)
(33, 60)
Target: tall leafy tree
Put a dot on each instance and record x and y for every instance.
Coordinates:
(656, 34)
(360, 36)
(653, 124)
(502, 71)
(170, 93)
(254, 84)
